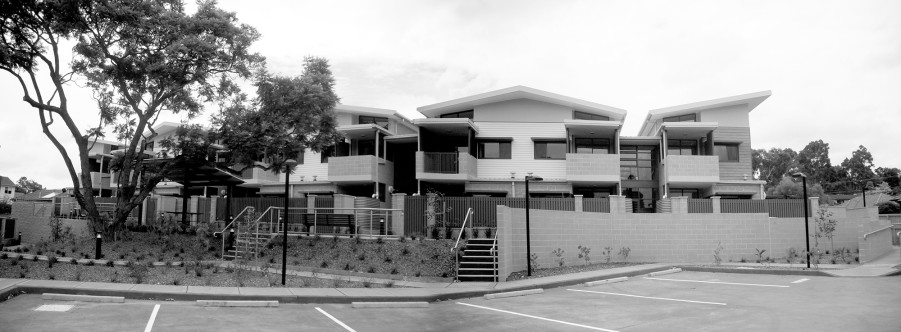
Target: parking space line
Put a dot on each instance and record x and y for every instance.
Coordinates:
(149, 327)
(336, 320)
(719, 282)
(800, 281)
(536, 317)
(646, 297)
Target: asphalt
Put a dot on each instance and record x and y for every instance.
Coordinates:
(407, 291)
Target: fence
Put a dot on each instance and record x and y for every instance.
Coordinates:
(700, 205)
(441, 162)
(452, 210)
(596, 205)
(261, 204)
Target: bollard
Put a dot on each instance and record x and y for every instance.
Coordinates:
(97, 246)
(19, 240)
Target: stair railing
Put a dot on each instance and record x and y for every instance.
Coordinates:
(457, 244)
(229, 225)
(255, 225)
(493, 253)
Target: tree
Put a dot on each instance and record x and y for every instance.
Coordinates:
(28, 186)
(289, 115)
(892, 177)
(788, 188)
(813, 161)
(773, 164)
(860, 165)
(140, 58)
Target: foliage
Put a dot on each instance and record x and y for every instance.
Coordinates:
(533, 261)
(59, 231)
(890, 207)
(860, 165)
(717, 259)
(813, 161)
(5, 208)
(773, 164)
(759, 254)
(584, 253)
(624, 253)
(560, 259)
(788, 188)
(140, 58)
(28, 186)
(608, 252)
(825, 226)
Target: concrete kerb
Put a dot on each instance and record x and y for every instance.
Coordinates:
(360, 305)
(814, 273)
(660, 273)
(82, 298)
(226, 303)
(605, 281)
(514, 293)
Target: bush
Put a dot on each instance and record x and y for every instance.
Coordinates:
(890, 207)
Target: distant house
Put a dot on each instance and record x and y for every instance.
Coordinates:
(7, 189)
(873, 199)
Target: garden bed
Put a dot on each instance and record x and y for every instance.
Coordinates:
(553, 271)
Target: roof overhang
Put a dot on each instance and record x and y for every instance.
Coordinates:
(752, 100)
(639, 140)
(688, 130)
(372, 111)
(408, 138)
(589, 128)
(362, 131)
(452, 126)
(520, 92)
(191, 173)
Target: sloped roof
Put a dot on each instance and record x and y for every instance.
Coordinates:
(873, 199)
(520, 92)
(38, 195)
(6, 182)
(751, 99)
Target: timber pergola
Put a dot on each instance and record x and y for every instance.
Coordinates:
(201, 173)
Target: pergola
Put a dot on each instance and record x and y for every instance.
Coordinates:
(197, 173)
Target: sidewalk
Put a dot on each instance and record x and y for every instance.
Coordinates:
(419, 291)
(886, 265)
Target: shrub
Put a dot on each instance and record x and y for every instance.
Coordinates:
(533, 260)
(388, 259)
(717, 252)
(624, 252)
(393, 270)
(390, 284)
(759, 254)
(584, 253)
(405, 251)
(370, 270)
(560, 259)
(324, 264)
(380, 240)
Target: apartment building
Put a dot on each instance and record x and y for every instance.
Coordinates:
(100, 154)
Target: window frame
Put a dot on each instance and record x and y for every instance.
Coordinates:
(454, 115)
(682, 118)
(480, 152)
(535, 144)
(727, 146)
(592, 146)
(589, 116)
(374, 120)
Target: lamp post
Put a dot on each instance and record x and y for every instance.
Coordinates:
(288, 165)
(806, 212)
(528, 235)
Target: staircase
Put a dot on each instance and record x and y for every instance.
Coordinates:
(247, 245)
(478, 262)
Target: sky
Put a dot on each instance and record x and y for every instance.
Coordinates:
(834, 67)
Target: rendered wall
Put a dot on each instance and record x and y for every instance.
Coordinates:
(662, 238)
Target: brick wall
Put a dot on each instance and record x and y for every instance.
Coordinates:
(665, 238)
(692, 168)
(582, 167)
(33, 220)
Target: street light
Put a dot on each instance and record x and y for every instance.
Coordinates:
(806, 212)
(528, 235)
(288, 165)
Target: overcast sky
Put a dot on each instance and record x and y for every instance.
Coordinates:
(834, 68)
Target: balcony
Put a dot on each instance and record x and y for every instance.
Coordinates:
(592, 168)
(445, 166)
(258, 176)
(360, 169)
(100, 180)
(692, 170)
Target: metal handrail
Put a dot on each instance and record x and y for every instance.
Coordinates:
(384, 212)
(228, 226)
(492, 251)
(457, 244)
(877, 231)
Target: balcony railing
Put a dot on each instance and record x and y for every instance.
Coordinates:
(441, 162)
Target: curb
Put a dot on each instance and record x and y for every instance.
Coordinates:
(514, 293)
(755, 271)
(220, 303)
(82, 298)
(389, 304)
(605, 281)
(660, 273)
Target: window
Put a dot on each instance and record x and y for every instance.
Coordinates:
(366, 147)
(382, 122)
(588, 116)
(592, 145)
(493, 150)
(682, 118)
(637, 163)
(464, 114)
(148, 146)
(682, 147)
(726, 152)
(680, 192)
(550, 150)
(326, 153)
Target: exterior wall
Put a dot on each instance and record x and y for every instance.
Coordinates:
(400, 129)
(311, 187)
(4, 196)
(669, 238)
(692, 168)
(522, 110)
(729, 116)
(735, 170)
(751, 188)
(592, 167)
(522, 149)
(33, 220)
(467, 169)
(878, 234)
(345, 118)
(359, 169)
(312, 165)
(520, 187)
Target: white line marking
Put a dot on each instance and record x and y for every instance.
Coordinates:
(536, 317)
(149, 327)
(647, 297)
(718, 282)
(800, 281)
(336, 320)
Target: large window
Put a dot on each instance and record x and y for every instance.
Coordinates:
(637, 162)
(592, 145)
(380, 121)
(682, 118)
(726, 152)
(464, 114)
(550, 150)
(494, 150)
(682, 192)
(588, 116)
(326, 153)
(681, 147)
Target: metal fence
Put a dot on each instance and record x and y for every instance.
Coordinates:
(785, 208)
(743, 206)
(441, 162)
(260, 204)
(696, 205)
(596, 205)
(452, 210)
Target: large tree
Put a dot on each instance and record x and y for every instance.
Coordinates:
(28, 186)
(773, 164)
(289, 115)
(860, 166)
(141, 58)
(813, 160)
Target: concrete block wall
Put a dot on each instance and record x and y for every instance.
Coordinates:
(585, 166)
(33, 220)
(692, 168)
(352, 168)
(664, 238)
(876, 244)
(468, 165)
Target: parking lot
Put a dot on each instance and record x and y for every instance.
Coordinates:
(686, 301)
